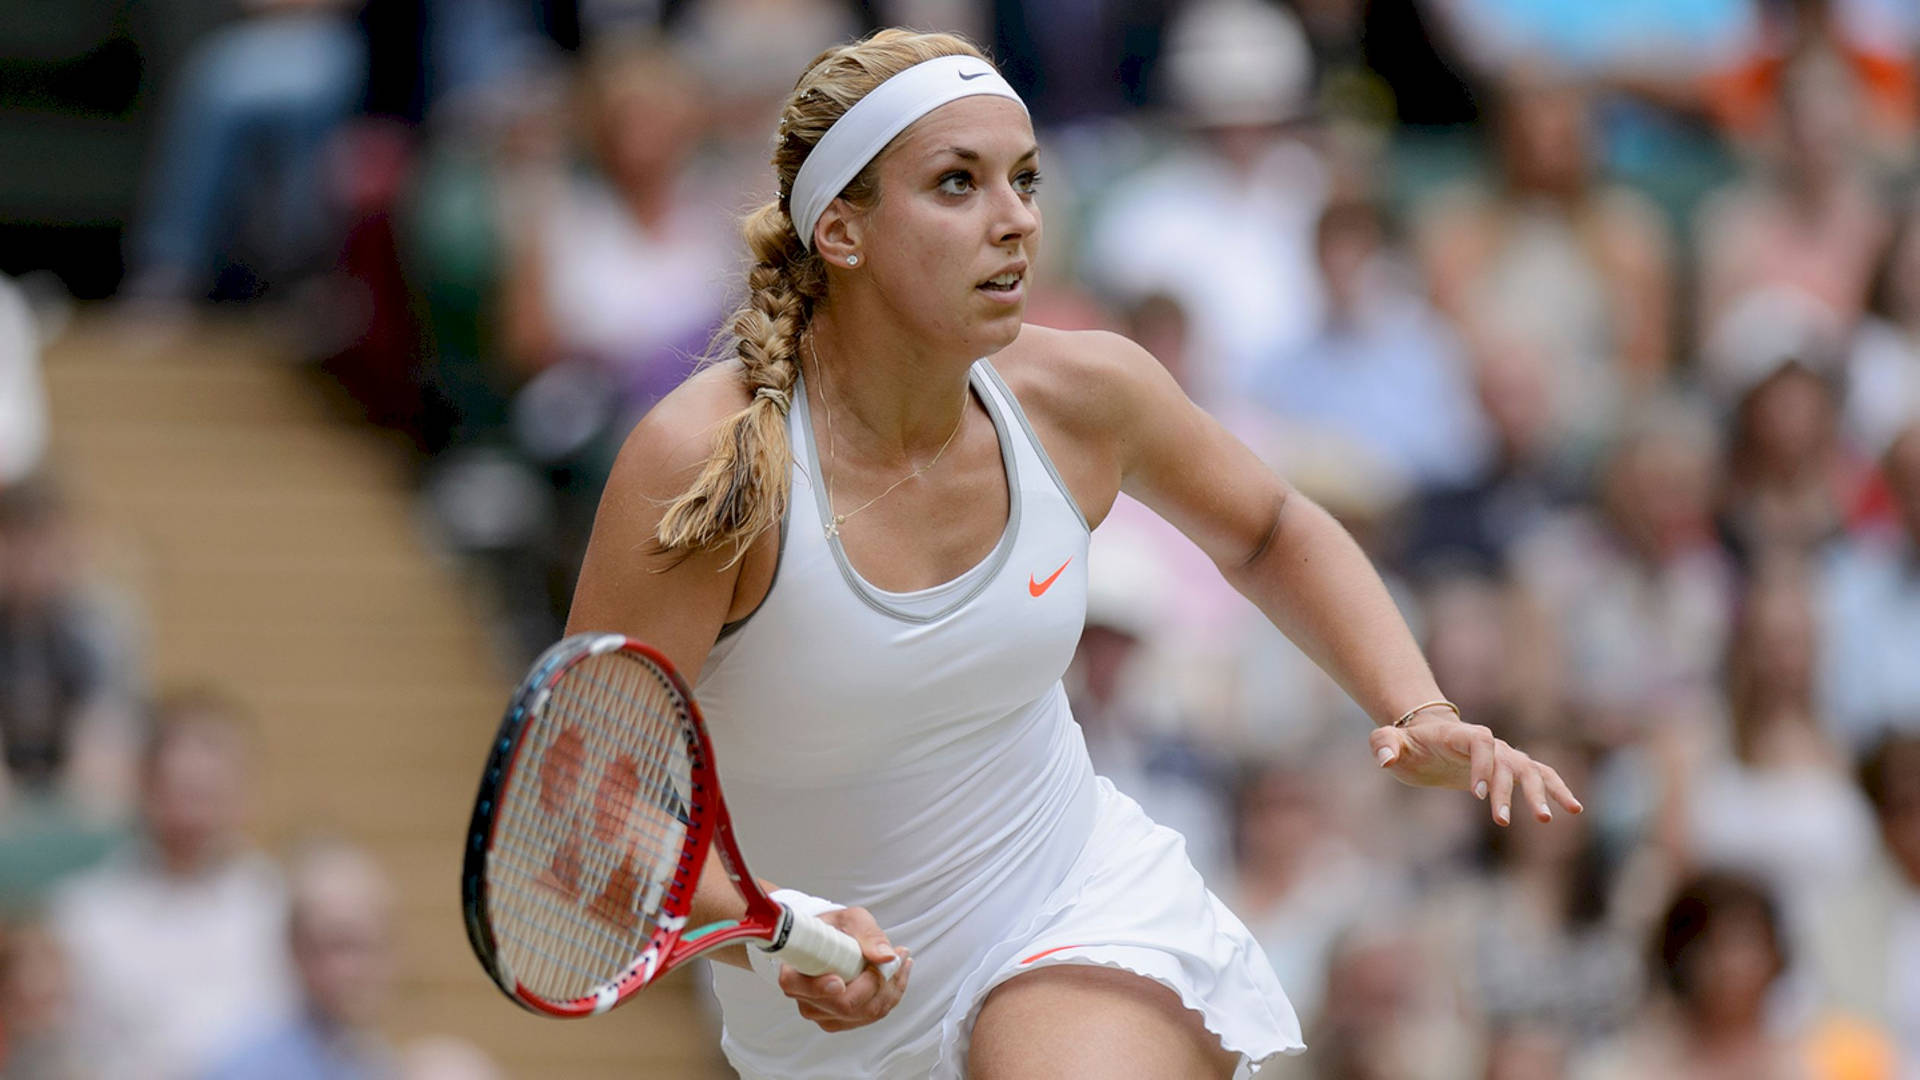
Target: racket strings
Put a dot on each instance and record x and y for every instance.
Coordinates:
(592, 826)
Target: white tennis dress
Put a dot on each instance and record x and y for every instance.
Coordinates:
(913, 754)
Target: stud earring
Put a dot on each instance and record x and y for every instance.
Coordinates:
(853, 260)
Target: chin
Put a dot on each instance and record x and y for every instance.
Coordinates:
(999, 331)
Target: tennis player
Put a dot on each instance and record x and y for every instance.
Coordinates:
(864, 534)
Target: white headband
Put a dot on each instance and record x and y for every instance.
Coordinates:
(866, 129)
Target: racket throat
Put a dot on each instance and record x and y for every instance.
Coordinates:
(782, 930)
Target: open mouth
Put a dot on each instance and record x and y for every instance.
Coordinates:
(1004, 283)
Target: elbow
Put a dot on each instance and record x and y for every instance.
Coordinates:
(1269, 536)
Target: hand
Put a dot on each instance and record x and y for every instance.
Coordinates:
(1439, 750)
(838, 1005)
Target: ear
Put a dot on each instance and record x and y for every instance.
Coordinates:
(839, 232)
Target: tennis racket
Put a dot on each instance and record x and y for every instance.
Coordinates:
(596, 811)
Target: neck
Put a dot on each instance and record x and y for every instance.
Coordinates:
(893, 397)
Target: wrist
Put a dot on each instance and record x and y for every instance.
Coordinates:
(1441, 705)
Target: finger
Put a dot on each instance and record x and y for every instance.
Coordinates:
(811, 987)
(1500, 791)
(858, 993)
(1387, 743)
(876, 949)
(891, 993)
(1558, 788)
(1480, 763)
(1534, 790)
(859, 923)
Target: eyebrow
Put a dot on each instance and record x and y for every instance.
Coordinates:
(965, 154)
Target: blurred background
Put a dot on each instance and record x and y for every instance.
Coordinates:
(1598, 324)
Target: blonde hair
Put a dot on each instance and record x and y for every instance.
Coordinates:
(742, 490)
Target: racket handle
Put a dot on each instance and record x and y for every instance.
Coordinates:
(815, 948)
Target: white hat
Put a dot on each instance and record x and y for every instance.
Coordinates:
(1233, 62)
(1766, 329)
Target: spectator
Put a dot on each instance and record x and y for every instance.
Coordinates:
(1523, 485)
(1300, 882)
(1224, 222)
(340, 936)
(1867, 940)
(621, 267)
(1808, 219)
(1718, 952)
(66, 663)
(1791, 485)
(1383, 370)
(1381, 1019)
(1553, 261)
(177, 943)
(1631, 596)
(266, 91)
(1536, 939)
(1870, 47)
(1778, 803)
(38, 1033)
(1870, 620)
(1470, 635)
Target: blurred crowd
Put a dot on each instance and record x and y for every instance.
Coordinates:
(1598, 324)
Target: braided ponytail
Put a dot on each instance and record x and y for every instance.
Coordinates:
(741, 491)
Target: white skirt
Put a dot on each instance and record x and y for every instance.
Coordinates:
(1131, 901)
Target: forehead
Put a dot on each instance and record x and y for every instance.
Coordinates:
(993, 127)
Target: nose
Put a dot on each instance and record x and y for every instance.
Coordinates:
(1016, 216)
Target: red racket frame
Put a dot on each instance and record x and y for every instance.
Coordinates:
(709, 827)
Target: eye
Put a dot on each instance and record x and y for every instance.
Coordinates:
(957, 182)
(1027, 182)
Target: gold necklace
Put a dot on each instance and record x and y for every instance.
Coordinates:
(833, 527)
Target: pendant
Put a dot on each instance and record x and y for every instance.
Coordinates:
(833, 527)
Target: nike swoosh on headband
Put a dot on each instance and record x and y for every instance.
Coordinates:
(964, 77)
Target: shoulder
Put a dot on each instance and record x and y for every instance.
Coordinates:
(1084, 381)
(675, 436)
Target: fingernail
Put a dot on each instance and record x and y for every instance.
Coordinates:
(1501, 815)
(834, 985)
(889, 958)
(1385, 755)
(1480, 790)
(1577, 807)
(1546, 811)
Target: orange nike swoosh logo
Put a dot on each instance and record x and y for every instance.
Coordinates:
(1038, 587)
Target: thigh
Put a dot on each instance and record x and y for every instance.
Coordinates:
(1081, 1022)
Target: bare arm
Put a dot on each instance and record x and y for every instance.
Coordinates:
(1293, 560)
(627, 586)
(678, 605)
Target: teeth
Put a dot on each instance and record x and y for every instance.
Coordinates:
(1007, 278)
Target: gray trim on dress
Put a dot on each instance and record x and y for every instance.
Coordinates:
(1039, 449)
(779, 556)
(983, 572)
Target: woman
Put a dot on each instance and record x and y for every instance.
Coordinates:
(867, 546)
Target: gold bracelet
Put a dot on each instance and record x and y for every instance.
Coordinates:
(1441, 704)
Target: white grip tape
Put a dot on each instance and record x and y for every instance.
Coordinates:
(812, 946)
